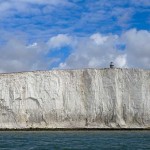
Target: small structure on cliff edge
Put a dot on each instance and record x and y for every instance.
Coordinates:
(111, 65)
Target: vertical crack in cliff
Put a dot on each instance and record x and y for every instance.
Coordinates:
(89, 97)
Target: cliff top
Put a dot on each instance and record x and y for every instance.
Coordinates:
(67, 70)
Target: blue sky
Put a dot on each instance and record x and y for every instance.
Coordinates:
(47, 34)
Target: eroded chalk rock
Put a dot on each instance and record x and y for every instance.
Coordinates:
(86, 98)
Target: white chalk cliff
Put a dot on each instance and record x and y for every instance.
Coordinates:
(86, 98)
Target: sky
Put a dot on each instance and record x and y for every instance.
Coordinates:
(73, 34)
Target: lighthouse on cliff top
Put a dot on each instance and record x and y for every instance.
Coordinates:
(111, 65)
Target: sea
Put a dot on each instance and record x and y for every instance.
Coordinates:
(74, 140)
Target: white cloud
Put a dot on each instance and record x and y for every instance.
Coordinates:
(121, 61)
(92, 53)
(11, 7)
(59, 41)
(98, 38)
(98, 51)
(50, 2)
(18, 55)
(137, 47)
(141, 2)
(101, 51)
(32, 45)
(4, 6)
(40, 1)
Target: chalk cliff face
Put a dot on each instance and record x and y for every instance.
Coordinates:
(86, 98)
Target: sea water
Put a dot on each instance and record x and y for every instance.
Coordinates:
(75, 140)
